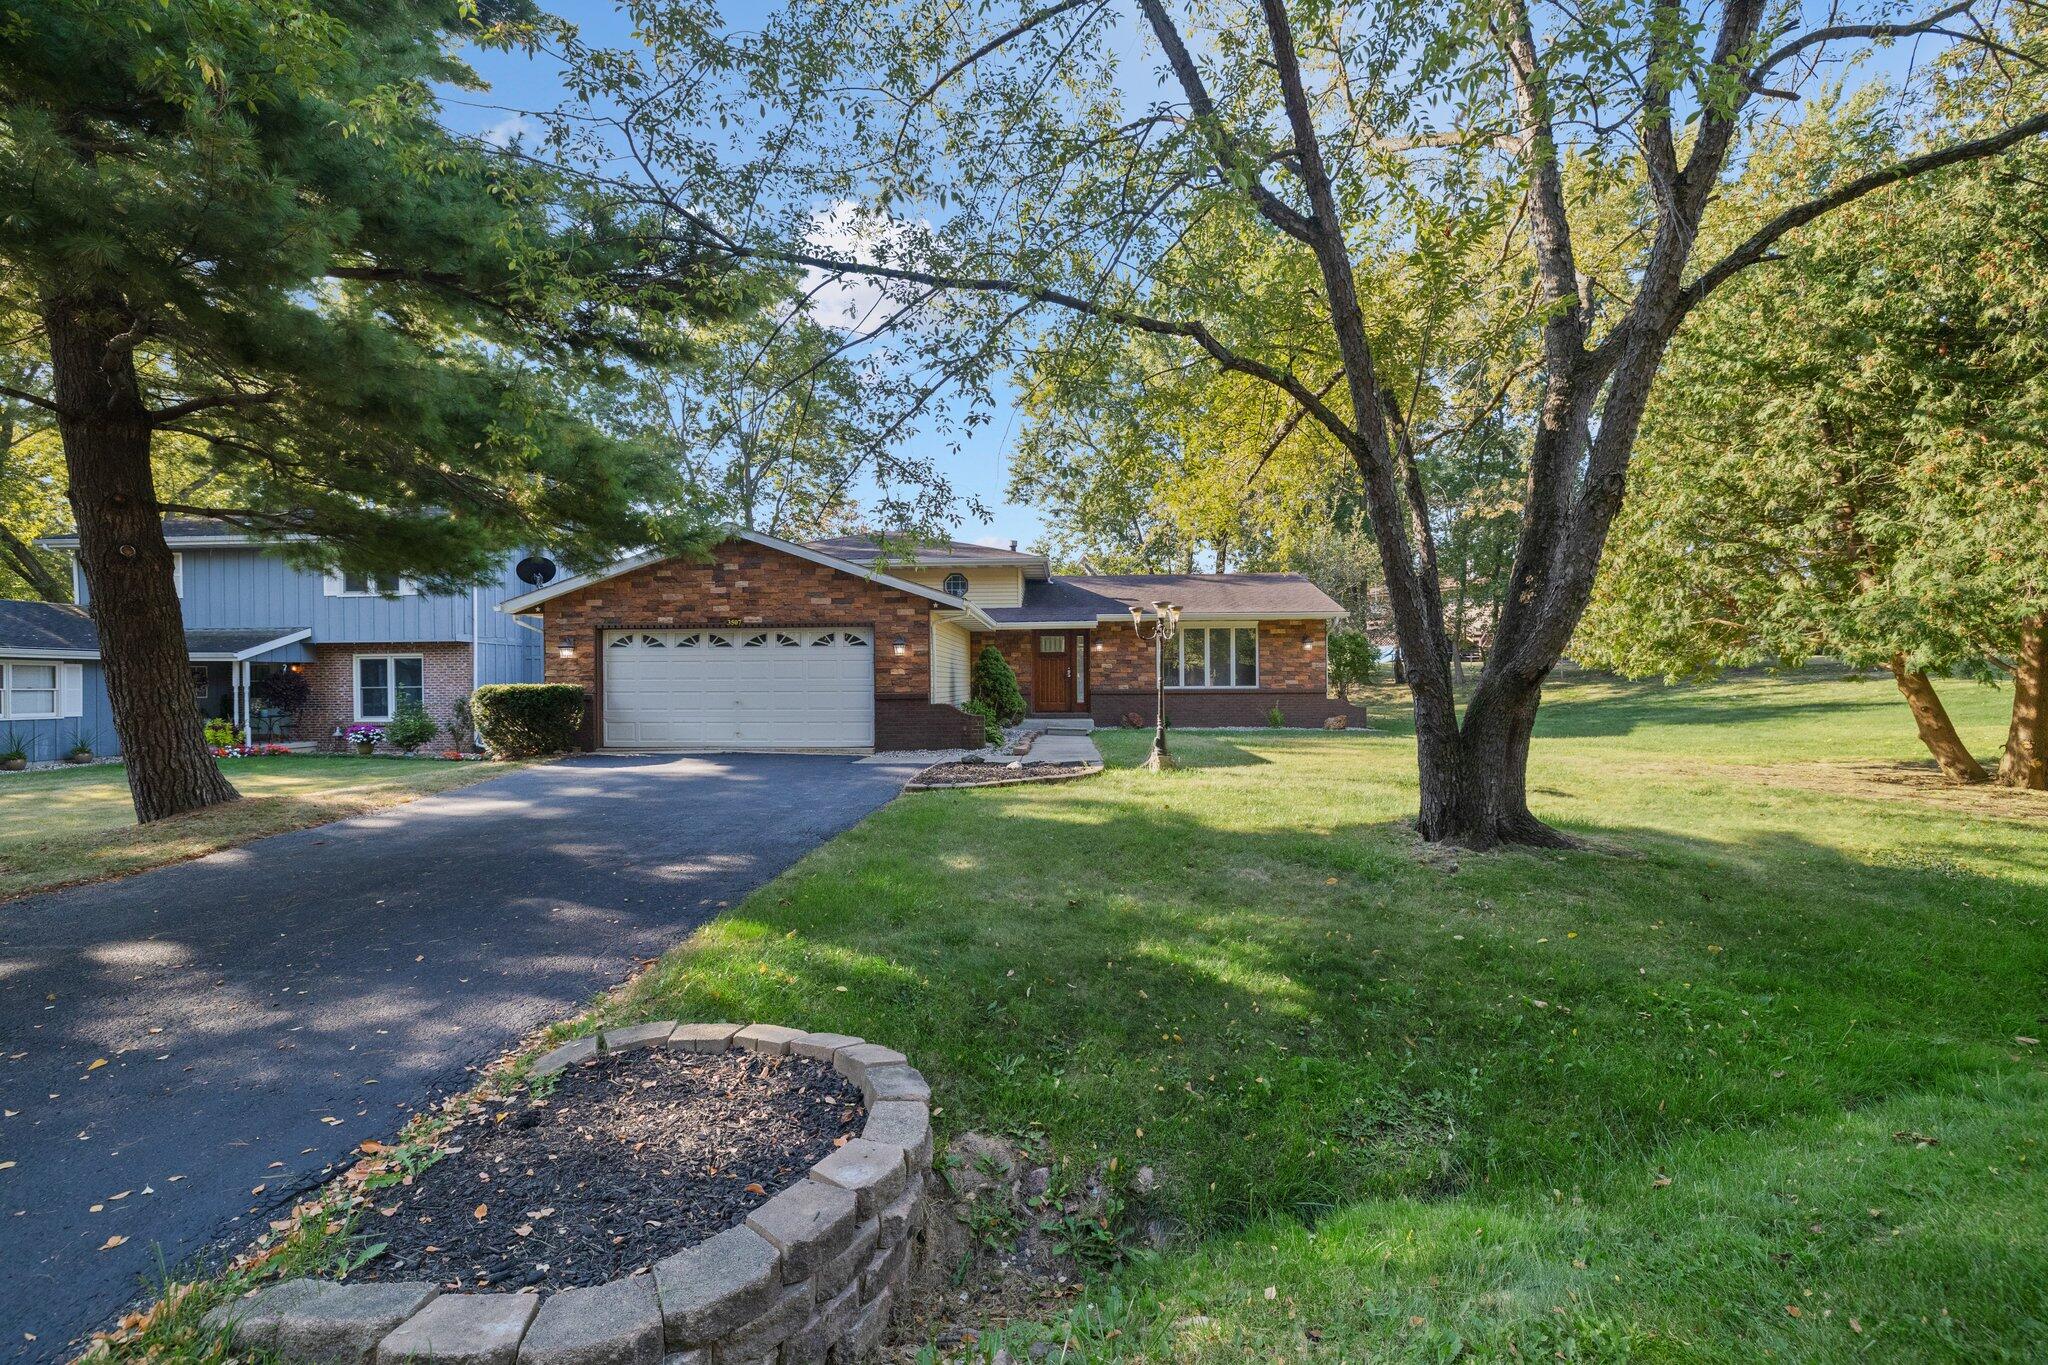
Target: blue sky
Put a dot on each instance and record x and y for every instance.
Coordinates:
(979, 469)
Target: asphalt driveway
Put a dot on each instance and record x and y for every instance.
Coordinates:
(263, 1010)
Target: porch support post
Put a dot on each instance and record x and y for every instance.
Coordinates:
(248, 711)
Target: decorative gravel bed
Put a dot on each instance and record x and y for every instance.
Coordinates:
(632, 1156)
(997, 774)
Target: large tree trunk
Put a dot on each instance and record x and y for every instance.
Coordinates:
(1937, 731)
(127, 566)
(2025, 763)
(1475, 780)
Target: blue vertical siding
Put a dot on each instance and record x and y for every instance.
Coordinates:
(47, 740)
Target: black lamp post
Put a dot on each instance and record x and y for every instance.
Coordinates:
(1165, 623)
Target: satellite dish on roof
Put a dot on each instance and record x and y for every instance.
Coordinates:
(535, 571)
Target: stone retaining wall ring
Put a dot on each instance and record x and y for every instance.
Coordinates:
(810, 1278)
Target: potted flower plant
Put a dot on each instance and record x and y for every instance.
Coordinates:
(364, 739)
(80, 750)
(13, 754)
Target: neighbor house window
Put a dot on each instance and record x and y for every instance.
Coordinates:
(386, 683)
(1216, 656)
(31, 691)
(361, 583)
(956, 584)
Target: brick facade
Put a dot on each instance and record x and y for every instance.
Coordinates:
(751, 585)
(446, 668)
(1292, 678)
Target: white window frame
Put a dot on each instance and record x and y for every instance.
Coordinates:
(56, 690)
(337, 586)
(390, 662)
(946, 584)
(1177, 666)
(178, 573)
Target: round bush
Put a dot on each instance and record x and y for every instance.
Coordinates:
(995, 686)
(519, 720)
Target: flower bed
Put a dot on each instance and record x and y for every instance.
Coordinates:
(812, 1271)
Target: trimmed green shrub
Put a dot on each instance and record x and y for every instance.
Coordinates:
(991, 728)
(411, 727)
(222, 734)
(519, 720)
(995, 686)
(1274, 720)
(1353, 660)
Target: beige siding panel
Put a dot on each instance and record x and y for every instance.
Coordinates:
(950, 683)
(998, 587)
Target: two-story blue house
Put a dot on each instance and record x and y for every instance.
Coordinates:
(366, 647)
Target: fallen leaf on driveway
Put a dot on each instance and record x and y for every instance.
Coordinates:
(112, 1242)
(482, 1212)
(97, 1065)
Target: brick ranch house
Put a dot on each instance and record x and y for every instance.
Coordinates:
(833, 644)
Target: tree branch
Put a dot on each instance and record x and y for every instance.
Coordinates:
(23, 396)
(1231, 159)
(1016, 30)
(1759, 243)
(177, 412)
(1759, 73)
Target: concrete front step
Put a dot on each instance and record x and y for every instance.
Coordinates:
(1060, 725)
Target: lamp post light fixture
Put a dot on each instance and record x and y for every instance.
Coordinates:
(1165, 625)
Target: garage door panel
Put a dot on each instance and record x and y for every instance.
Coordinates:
(810, 687)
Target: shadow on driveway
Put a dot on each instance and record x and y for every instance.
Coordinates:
(264, 1009)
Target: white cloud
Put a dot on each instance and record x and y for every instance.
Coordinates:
(505, 131)
(851, 303)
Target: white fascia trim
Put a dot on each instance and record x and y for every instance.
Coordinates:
(14, 653)
(528, 601)
(1240, 617)
(185, 542)
(224, 657)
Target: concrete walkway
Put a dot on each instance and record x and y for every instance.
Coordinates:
(1058, 748)
(185, 1051)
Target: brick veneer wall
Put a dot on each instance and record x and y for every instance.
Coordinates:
(752, 585)
(1120, 678)
(447, 670)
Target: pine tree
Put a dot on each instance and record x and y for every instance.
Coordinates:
(237, 226)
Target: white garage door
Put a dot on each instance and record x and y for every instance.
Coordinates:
(809, 688)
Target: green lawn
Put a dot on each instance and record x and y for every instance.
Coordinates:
(1662, 1101)
(67, 825)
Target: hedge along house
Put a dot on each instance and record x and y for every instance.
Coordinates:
(843, 644)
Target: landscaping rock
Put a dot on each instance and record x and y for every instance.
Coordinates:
(821, 1046)
(864, 1337)
(813, 1345)
(894, 1083)
(1337, 723)
(902, 1123)
(874, 1172)
(899, 1219)
(323, 1323)
(612, 1324)
(702, 1037)
(845, 1268)
(758, 1339)
(638, 1035)
(853, 1062)
(772, 1039)
(809, 1223)
(462, 1329)
(715, 1286)
(567, 1055)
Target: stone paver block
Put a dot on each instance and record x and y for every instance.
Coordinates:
(902, 1123)
(269, 1301)
(821, 1046)
(874, 1171)
(845, 1268)
(462, 1329)
(702, 1037)
(568, 1054)
(885, 1269)
(714, 1286)
(772, 1039)
(609, 1324)
(899, 1219)
(759, 1338)
(853, 1062)
(864, 1337)
(638, 1035)
(894, 1083)
(809, 1223)
(324, 1323)
(813, 1345)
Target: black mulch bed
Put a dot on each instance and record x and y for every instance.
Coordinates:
(992, 774)
(633, 1157)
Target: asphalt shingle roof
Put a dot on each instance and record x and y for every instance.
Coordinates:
(1084, 597)
(57, 626)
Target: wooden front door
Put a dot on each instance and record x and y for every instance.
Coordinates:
(1059, 674)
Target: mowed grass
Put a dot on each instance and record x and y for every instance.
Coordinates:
(66, 825)
(1747, 1082)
